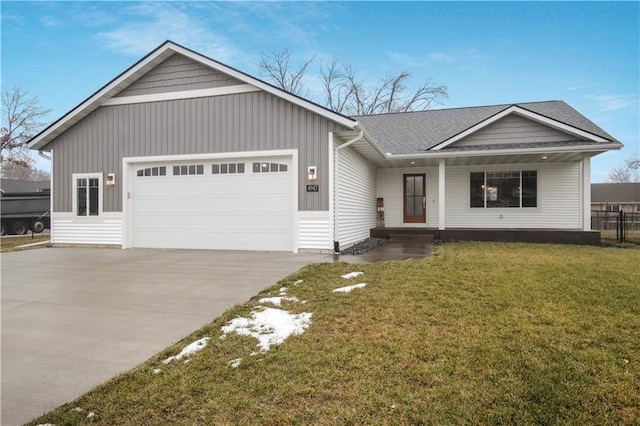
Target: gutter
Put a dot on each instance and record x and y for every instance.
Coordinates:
(43, 155)
(336, 173)
(440, 154)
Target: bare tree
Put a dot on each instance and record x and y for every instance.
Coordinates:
(20, 165)
(345, 92)
(630, 172)
(276, 66)
(22, 118)
(633, 162)
(620, 175)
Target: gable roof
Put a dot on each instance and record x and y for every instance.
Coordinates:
(147, 63)
(615, 192)
(434, 130)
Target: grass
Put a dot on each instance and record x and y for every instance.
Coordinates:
(481, 333)
(12, 243)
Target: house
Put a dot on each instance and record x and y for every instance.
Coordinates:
(182, 151)
(615, 197)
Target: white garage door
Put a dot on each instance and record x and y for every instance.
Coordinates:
(241, 204)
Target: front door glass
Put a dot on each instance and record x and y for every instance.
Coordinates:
(414, 198)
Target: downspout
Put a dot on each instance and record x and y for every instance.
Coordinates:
(336, 192)
(43, 155)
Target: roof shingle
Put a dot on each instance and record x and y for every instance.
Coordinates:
(413, 132)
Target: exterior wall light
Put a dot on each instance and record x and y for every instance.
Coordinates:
(312, 173)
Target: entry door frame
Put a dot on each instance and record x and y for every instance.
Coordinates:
(410, 218)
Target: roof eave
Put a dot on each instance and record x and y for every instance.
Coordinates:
(153, 58)
(594, 148)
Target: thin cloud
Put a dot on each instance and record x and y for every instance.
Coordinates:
(149, 24)
(613, 102)
(408, 60)
(580, 85)
(458, 56)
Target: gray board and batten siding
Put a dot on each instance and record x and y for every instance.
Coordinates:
(255, 121)
(178, 73)
(514, 129)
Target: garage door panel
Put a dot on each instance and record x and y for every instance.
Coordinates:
(244, 211)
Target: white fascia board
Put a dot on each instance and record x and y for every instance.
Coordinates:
(185, 94)
(330, 115)
(524, 113)
(96, 100)
(210, 156)
(487, 153)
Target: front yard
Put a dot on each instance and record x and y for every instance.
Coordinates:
(13, 243)
(481, 333)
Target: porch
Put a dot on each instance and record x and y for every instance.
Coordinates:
(553, 236)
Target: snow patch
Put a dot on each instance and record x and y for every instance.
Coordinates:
(297, 283)
(351, 275)
(349, 288)
(91, 414)
(156, 371)
(269, 326)
(283, 291)
(235, 363)
(277, 300)
(189, 349)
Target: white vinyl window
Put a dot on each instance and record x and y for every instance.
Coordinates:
(87, 194)
(503, 189)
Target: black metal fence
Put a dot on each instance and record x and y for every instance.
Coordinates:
(621, 226)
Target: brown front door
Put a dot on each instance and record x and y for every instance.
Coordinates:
(414, 199)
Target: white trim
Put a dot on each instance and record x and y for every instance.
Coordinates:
(332, 190)
(74, 201)
(524, 113)
(595, 148)
(185, 94)
(127, 175)
(441, 194)
(52, 194)
(147, 63)
(586, 192)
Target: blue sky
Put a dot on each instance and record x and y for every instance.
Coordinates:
(585, 53)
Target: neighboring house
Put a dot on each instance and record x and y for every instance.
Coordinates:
(615, 197)
(182, 151)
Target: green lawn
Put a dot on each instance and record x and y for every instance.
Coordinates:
(481, 333)
(12, 243)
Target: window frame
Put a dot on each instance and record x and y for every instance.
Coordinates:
(485, 206)
(74, 202)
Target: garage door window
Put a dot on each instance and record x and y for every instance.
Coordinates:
(87, 194)
(152, 171)
(228, 168)
(269, 167)
(185, 170)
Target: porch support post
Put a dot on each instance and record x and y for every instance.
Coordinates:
(441, 195)
(586, 192)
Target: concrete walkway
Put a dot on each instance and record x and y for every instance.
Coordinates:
(73, 318)
(393, 250)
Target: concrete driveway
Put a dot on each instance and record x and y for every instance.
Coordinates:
(74, 317)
